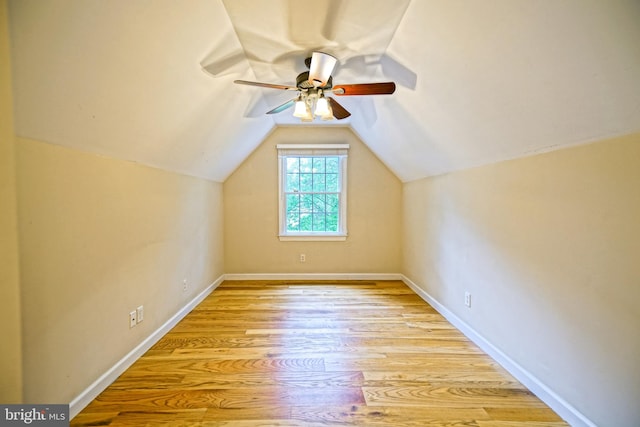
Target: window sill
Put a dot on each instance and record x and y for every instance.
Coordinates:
(312, 237)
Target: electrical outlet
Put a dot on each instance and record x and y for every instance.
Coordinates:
(184, 285)
(140, 314)
(303, 257)
(133, 319)
(467, 299)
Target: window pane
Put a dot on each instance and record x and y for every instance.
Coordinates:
(306, 202)
(319, 182)
(293, 221)
(319, 203)
(293, 182)
(318, 164)
(306, 182)
(333, 164)
(293, 165)
(332, 182)
(332, 222)
(306, 164)
(319, 222)
(306, 222)
(332, 203)
(293, 203)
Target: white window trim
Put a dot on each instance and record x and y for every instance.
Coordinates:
(340, 150)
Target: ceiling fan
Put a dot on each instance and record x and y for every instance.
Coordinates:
(314, 85)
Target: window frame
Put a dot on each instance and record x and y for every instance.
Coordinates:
(312, 150)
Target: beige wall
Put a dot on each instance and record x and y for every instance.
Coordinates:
(251, 213)
(11, 348)
(99, 237)
(549, 247)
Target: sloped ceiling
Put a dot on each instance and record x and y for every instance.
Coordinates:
(478, 81)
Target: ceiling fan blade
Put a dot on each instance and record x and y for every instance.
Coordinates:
(338, 110)
(267, 85)
(283, 107)
(320, 69)
(386, 88)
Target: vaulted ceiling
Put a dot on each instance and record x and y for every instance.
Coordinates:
(151, 81)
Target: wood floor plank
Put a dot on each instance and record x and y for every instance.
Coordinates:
(315, 353)
(200, 366)
(231, 416)
(543, 414)
(456, 363)
(450, 378)
(186, 418)
(149, 400)
(89, 418)
(452, 397)
(390, 416)
(324, 380)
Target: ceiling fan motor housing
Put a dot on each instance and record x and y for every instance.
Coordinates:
(303, 83)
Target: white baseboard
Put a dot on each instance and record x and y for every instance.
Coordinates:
(565, 410)
(91, 392)
(314, 276)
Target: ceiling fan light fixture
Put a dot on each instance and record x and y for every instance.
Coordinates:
(303, 109)
(328, 116)
(300, 109)
(322, 108)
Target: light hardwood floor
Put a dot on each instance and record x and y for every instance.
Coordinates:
(258, 353)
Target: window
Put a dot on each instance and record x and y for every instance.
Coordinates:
(313, 191)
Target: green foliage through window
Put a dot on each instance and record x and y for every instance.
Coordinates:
(312, 193)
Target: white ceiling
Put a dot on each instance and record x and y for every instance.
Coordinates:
(478, 81)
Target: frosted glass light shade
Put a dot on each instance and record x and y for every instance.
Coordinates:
(322, 107)
(300, 109)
